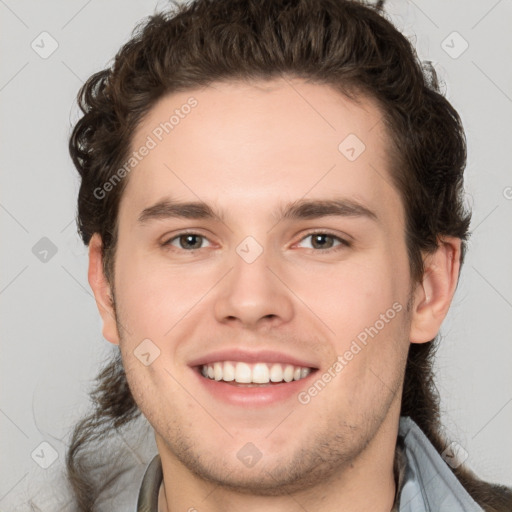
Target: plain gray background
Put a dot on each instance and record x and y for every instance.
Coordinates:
(51, 332)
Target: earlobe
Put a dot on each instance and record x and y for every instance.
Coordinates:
(433, 296)
(101, 289)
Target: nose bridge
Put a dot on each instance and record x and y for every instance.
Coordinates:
(251, 291)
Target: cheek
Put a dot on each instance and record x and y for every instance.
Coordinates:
(350, 296)
(153, 296)
(363, 305)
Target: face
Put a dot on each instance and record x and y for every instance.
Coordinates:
(291, 267)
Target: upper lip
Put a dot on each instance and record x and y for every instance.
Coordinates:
(245, 356)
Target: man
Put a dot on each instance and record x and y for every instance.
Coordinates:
(272, 198)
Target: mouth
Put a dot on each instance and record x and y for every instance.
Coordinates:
(259, 374)
(245, 378)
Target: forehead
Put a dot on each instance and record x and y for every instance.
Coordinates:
(262, 143)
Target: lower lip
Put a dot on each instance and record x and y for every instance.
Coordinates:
(254, 396)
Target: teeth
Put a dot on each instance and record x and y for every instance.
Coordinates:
(288, 373)
(276, 373)
(217, 371)
(228, 372)
(258, 373)
(243, 373)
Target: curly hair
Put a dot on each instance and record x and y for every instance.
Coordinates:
(346, 44)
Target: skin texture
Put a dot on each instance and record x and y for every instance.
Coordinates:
(247, 149)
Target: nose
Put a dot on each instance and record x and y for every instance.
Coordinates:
(254, 294)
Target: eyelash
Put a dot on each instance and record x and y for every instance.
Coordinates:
(343, 243)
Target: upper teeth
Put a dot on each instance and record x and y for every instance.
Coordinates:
(258, 373)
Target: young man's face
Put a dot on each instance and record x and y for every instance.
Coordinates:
(261, 289)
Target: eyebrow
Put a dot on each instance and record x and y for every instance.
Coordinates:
(300, 209)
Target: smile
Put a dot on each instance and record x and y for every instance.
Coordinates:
(257, 373)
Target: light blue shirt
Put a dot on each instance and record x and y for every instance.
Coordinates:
(429, 484)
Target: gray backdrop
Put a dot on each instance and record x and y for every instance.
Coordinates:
(51, 337)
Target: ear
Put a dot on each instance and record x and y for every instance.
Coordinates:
(433, 296)
(101, 290)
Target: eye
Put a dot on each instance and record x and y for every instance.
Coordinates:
(186, 241)
(325, 241)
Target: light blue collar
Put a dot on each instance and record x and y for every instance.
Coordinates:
(429, 484)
